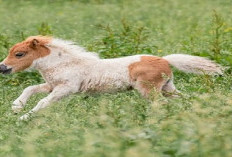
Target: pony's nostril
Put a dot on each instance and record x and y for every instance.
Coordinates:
(3, 67)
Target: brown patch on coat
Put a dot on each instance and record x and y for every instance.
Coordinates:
(149, 73)
(34, 47)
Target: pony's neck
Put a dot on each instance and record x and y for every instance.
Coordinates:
(63, 53)
(68, 47)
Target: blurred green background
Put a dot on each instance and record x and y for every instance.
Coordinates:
(198, 123)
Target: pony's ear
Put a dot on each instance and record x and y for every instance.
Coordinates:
(34, 43)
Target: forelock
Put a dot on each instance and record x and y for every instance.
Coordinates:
(42, 39)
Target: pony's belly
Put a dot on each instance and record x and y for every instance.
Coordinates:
(106, 86)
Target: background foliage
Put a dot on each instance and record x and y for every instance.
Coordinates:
(198, 123)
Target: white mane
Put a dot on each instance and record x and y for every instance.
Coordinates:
(71, 48)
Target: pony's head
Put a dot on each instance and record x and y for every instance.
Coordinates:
(22, 55)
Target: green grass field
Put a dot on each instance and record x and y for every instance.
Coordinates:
(123, 124)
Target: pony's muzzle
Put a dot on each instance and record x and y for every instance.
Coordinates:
(4, 69)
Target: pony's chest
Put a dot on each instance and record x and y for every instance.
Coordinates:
(55, 77)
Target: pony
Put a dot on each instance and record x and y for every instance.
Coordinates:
(68, 68)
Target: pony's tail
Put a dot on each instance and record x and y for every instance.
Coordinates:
(194, 64)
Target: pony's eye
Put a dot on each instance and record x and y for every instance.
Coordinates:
(20, 54)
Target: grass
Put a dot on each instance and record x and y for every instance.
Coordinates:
(198, 123)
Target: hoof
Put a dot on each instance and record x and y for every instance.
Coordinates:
(17, 108)
(25, 117)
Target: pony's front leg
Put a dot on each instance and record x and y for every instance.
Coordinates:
(20, 102)
(57, 93)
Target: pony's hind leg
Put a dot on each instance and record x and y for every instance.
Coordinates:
(149, 74)
(169, 89)
(145, 87)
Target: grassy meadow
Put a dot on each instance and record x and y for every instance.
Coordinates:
(123, 124)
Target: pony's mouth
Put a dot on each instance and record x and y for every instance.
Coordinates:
(8, 71)
(4, 69)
